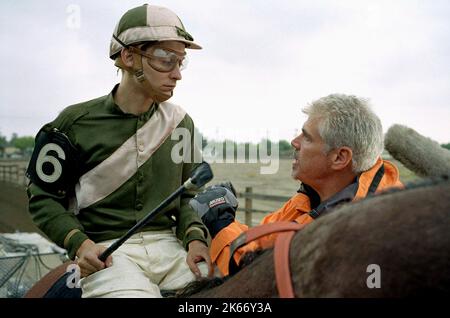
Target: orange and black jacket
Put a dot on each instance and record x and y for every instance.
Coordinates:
(303, 208)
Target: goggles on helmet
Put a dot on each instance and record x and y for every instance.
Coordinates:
(162, 59)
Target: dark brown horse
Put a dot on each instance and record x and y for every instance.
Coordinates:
(391, 245)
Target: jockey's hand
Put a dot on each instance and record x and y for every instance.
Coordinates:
(87, 258)
(197, 252)
(216, 206)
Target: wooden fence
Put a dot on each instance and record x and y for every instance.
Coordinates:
(249, 196)
(13, 173)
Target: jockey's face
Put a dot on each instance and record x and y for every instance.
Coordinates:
(164, 82)
(310, 163)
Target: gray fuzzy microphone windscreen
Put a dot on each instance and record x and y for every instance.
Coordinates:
(420, 154)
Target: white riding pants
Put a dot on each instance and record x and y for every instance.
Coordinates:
(144, 264)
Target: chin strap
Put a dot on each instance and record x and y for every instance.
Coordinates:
(138, 71)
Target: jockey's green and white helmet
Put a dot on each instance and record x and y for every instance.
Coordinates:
(149, 23)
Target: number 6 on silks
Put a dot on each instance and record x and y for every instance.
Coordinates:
(53, 162)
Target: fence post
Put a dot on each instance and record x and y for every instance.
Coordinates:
(248, 207)
(24, 176)
(16, 167)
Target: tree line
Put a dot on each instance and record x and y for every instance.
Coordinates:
(26, 144)
(21, 142)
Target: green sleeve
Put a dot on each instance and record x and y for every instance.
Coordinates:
(50, 213)
(189, 225)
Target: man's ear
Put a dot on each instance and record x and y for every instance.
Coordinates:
(342, 158)
(126, 57)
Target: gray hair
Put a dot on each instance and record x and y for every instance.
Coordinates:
(348, 121)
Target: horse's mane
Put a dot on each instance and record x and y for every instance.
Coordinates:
(347, 208)
(199, 285)
(208, 283)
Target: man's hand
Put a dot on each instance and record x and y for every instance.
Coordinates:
(88, 261)
(197, 252)
(216, 206)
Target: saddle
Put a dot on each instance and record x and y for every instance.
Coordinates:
(281, 251)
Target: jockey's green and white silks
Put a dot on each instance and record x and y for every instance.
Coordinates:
(149, 23)
(125, 170)
(122, 164)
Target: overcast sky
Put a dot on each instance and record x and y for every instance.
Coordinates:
(262, 61)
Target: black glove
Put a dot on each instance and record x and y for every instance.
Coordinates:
(216, 206)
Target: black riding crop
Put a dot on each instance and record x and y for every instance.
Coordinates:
(199, 178)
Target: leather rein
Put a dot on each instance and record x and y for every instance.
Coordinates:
(287, 231)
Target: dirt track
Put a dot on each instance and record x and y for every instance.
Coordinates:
(14, 214)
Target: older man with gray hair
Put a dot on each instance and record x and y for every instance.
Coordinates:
(336, 158)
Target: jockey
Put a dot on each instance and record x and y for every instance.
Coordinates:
(336, 158)
(102, 165)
